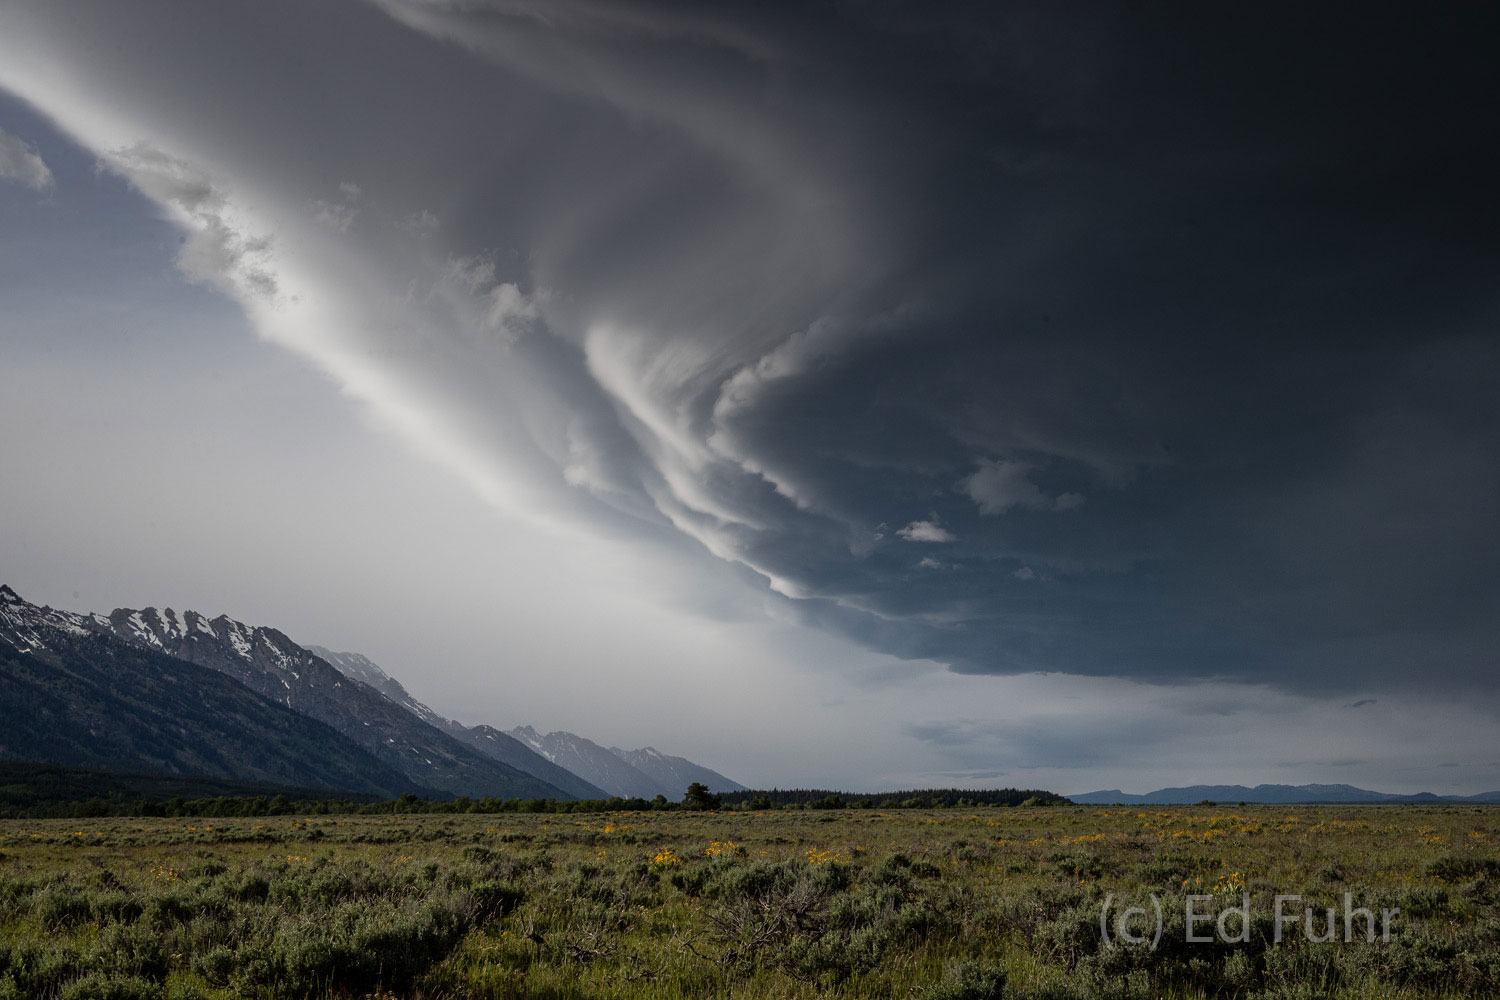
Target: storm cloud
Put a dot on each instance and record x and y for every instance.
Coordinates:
(1011, 338)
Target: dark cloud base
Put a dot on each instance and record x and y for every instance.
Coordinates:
(1139, 344)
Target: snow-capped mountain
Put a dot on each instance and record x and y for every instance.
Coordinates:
(416, 748)
(269, 663)
(675, 772)
(72, 693)
(367, 671)
(493, 743)
(486, 739)
(31, 628)
(594, 764)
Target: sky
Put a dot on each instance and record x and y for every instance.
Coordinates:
(859, 395)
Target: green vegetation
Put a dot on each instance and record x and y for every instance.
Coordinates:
(699, 797)
(30, 790)
(50, 791)
(926, 798)
(949, 904)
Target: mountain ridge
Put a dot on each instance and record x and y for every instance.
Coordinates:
(73, 694)
(268, 662)
(567, 760)
(358, 700)
(644, 773)
(591, 762)
(486, 739)
(670, 771)
(1268, 794)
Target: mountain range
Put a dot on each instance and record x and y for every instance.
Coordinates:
(178, 692)
(157, 691)
(487, 740)
(569, 761)
(671, 772)
(72, 694)
(1269, 794)
(271, 665)
(644, 773)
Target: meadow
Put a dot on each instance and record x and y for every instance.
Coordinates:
(940, 904)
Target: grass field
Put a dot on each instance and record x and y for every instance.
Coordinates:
(941, 904)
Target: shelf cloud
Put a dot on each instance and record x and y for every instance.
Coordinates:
(1142, 359)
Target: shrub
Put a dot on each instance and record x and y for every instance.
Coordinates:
(1078, 865)
(968, 981)
(1071, 935)
(114, 907)
(900, 869)
(167, 911)
(130, 950)
(1461, 868)
(104, 987)
(61, 908)
(38, 969)
(495, 899)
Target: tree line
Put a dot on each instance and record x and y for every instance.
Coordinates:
(697, 797)
(922, 798)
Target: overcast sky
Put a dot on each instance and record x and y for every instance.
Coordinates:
(857, 395)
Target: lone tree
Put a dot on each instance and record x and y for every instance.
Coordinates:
(699, 797)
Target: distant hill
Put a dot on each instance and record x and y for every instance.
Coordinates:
(71, 694)
(1270, 795)
(912, 798)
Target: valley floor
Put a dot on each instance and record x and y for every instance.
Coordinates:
(941, 904)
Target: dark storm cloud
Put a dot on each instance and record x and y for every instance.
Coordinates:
(1133, 344)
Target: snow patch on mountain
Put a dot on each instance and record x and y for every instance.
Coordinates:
(27, 627)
